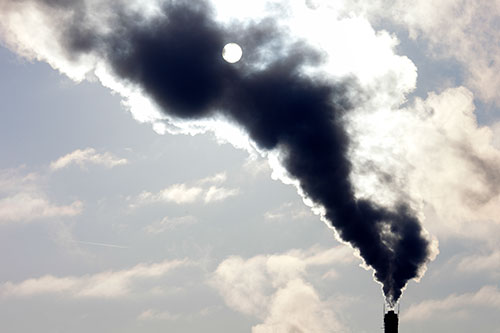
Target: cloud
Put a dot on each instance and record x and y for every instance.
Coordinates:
(218, 178)
(187, 194)
(288, 211)
(297, 308)
(176, 193)
(85, 157)
(30, 28)
(465, 31)
(215, 193)
(180, 194)
(26, 207)
(108, 284)
(11, 180)
(22, 199)
(168, 223)
(273, 288)
(425, 152)
(481, 264)
(496, 134)
(255, 165)
(156, 315)
(461, 30)
(488, 296)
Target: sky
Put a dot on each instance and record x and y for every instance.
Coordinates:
(130, 202)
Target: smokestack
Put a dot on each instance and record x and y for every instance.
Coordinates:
(391, 322)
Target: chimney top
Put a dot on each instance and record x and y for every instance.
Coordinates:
(391, 322)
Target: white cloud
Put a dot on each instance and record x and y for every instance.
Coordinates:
(256, 165)
(26, 207)
(488, 296)
(218, 178)
(425, 152)
(12, 180)
(481, 264)
(85, 157)
(186, 194)
(452, 29)
(462, 30)
(180, 194)
(176, 193)
(215, 193)
(273, 288)
(496, 134)
(297, 308)
(287, 211)
(109, 284)
(242, 284)
(22, 199)
(156, 315)
(168, 223)
(31, 29)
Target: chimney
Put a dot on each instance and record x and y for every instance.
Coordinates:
(391, 322)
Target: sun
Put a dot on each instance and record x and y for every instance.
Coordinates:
(232, 53)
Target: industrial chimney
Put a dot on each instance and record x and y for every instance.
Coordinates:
(391, 322)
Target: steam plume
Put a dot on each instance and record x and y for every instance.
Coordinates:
(175, 58)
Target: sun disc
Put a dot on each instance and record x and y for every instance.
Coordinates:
(232, 53)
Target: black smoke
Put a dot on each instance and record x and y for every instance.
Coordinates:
(175, 59)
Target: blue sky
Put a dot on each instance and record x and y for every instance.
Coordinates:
(110, 222)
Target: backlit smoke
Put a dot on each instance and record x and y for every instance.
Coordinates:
(174, 57)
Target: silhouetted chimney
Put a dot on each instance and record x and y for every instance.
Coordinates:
(391, 322)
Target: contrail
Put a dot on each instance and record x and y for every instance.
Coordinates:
(175, 59)
(103, 244)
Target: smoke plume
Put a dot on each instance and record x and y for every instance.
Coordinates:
(174, 57)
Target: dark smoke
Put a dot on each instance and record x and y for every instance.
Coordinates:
(176, 60)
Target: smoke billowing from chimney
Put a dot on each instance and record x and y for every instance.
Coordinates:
(175, 58)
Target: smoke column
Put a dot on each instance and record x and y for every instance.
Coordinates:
(175, 58)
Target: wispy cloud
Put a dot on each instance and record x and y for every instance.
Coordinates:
(157, 315)
(176, 193)
(488, 296)
(205, 190)
(481, 264)
(31, 206)
(108, 284)
(22, 199)
(255, 165)
(288, 211)
(87, 156)
(218, 178)
(215, 193)
(169, 223)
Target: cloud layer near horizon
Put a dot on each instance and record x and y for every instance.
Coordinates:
(108, 284)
